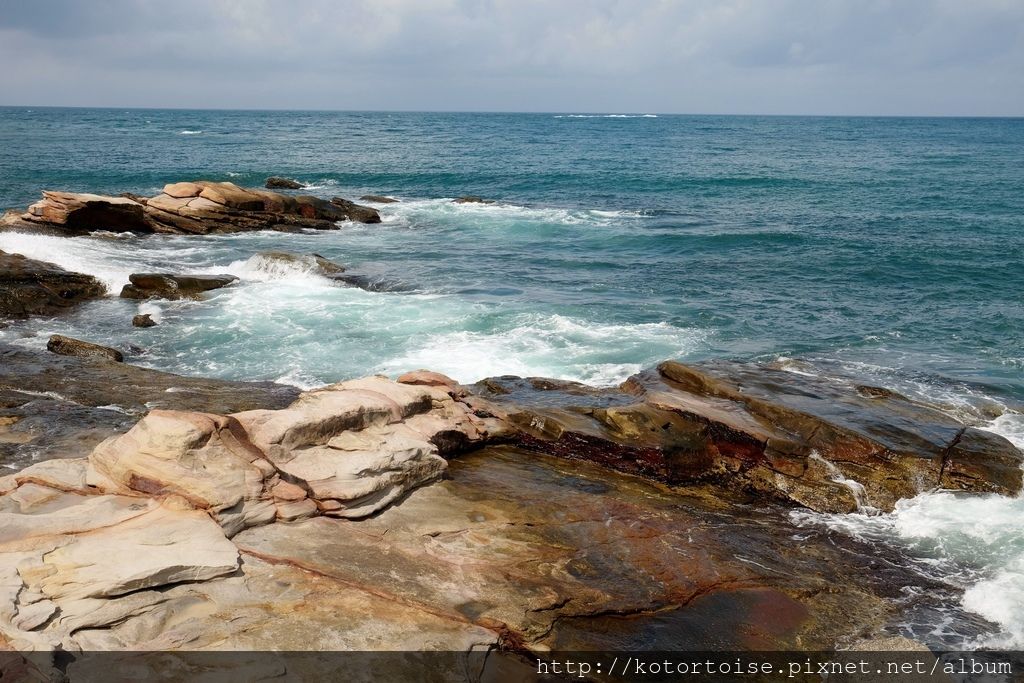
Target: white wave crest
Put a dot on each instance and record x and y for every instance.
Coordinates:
(98, 257)
(550, 346)
(411, 211)
(302, 269)
(190, 132)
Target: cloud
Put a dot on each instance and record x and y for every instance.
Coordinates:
(743, 56)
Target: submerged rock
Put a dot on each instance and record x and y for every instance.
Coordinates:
(276, 183)
(143, 320)
(472, 199)
(66, 346)
(168, 286)
(282, 260)
(378, 199)
(30, 287)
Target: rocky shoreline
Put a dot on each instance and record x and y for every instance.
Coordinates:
(520, 515)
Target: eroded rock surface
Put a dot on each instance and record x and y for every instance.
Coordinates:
(68, 346)
(84, 542)
(30, 287)
(822, 444)
(338, 522)
(198, 207)
(173, 287)
(61, 406)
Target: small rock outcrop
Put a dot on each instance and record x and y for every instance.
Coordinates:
(271, 261)
(143, 320)
(356, 212)
(277, 183)
(200, 207)
(378, 199)
(84, 212)
(168, 286)
(472, 199)
(68, 346)
(30, 287)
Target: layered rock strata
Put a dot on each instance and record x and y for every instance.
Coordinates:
(31, 287)
(199, 207)
(825, 444)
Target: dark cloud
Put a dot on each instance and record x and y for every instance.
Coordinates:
(743, 56)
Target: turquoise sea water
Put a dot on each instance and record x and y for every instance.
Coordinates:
(889, 248)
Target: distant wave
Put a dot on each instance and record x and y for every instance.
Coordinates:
(190, 132)
(606, 116)
(410, 211)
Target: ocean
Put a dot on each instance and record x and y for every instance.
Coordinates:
(886, 248)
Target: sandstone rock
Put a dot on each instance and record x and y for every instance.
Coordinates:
(356, 212)
(276, 183)
(143, 320)
(428, 378)
(541, 551)
(168, 286)
(162, 546)
(30, 287)
(378, 199)
(66, 346)
(809, 441)
(192, 455)
(515, 549)
(198, 207)
(85, 212)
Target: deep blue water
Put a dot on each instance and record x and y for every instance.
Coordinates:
(890, 242)
(889, 248)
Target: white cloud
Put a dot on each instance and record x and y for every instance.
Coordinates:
(744, 56)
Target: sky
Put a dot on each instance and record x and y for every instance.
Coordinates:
(854, 57)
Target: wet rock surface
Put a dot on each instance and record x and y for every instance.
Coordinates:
(196, 207)
(66, 346)
(804, 440)
(173, 287)
(380, 514)
(277, 183)
(512, 550)
(283, 260)
(31, 287)
(378, 199)
(356, 212)
(60, 406)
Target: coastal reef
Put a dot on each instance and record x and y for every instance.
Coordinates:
(151, 512)
(389, 514)
(199, 208)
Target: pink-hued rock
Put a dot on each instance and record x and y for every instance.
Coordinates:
(196, 207)
(428, 378)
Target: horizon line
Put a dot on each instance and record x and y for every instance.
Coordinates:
(506, 112)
